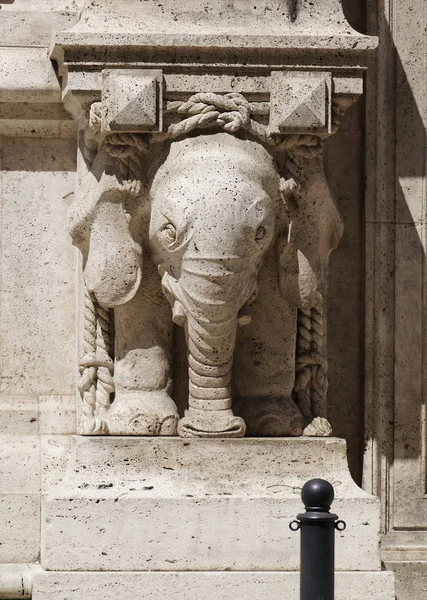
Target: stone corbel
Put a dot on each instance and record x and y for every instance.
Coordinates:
(136, 111)
(286, 90)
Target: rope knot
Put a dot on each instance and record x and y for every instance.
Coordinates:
(123, 145)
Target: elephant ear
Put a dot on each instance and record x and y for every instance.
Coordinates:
(315, 229)
(98, 224)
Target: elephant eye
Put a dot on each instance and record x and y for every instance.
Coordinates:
(169, 233)
(260, 233)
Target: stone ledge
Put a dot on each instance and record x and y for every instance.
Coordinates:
(406, 546)
(27, 75)
(30, 95)
(24, 23)
(203, 586)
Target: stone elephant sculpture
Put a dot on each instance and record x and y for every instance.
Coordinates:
(215, 240)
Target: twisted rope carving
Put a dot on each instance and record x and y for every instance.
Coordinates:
(88, 375)
(311, 380)
(128, 148)
(96, 368)
(105, 365)
(232, 112)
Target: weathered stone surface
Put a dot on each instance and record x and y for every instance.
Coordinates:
(204, 586)
(19, 414)
(20, 527)
(56, 451)
(228, 50)
(37, 295)
(22, 451)
(217, 24)
(57, 414)
(24, 24)
(147, 504)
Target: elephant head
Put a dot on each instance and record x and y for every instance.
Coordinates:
(214, 208)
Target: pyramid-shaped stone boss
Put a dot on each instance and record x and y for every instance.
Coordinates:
(131, 103)
(298, 103)
(309, 110)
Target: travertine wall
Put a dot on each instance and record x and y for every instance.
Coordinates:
(38, 328)
(376, 319)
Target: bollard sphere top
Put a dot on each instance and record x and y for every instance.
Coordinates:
(317, 494)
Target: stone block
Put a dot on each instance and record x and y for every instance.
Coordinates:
(300, 102)
(19, 414)
(19, 498)
(55, 455)
(131, 100)
(156, 504)
(203, 586)
(32, 24)
(38, 287)
(19, 463)
(57, 414)
(411, 579)
(27, 75)
(19, 527)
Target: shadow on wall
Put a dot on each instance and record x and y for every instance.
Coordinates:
(407, 435)
(355, 13)
(395, 174)
(344, 162)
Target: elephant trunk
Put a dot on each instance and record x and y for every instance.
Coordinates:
(211, 293)
(210, 358)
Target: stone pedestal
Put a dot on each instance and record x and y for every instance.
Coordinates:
(211, 515)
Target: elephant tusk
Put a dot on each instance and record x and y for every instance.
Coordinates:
(244, 317)
(178, 314)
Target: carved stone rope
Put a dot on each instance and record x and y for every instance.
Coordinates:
(88, 369)
(126, 147)
(230, 112)
(311, 380)
(96, 368)
(105, 365)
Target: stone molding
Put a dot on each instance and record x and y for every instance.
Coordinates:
(16, 580)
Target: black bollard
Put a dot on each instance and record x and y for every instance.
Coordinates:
(317, 527)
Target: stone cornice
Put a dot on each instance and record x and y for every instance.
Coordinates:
(211, 34)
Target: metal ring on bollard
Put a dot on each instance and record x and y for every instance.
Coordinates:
(294, 525)
(340, 525)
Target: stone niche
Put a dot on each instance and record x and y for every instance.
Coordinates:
(204, 222)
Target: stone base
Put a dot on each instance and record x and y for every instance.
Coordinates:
(162, 504)
(203, 586)
(405, 553)
(16, 580)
